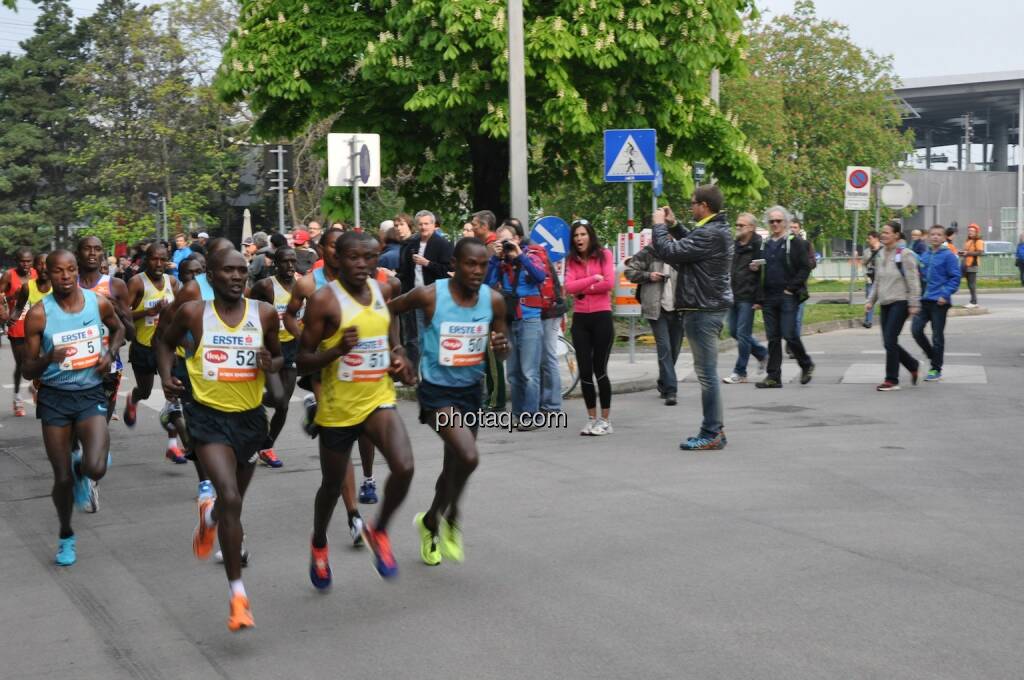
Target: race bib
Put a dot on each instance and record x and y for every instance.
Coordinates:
(368, 361)
(281, 310)
(462, 344)
(84, 346)
(150, 304)
(231, 357)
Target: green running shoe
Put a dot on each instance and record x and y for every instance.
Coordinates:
(451, 541)
(429, 553)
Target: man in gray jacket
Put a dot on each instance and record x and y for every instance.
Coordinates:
(657, 292)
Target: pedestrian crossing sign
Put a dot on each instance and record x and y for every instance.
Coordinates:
(630, 155)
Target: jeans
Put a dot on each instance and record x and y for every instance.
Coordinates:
(800, 318)
(550, 380)
(779, 313)
(935, 314)
(703, 330)
(523, 365)
(741, 328)
(870, 314)
(894, 315)
(668, 338)
(972, 284)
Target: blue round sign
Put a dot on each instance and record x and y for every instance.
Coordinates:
(552, 233)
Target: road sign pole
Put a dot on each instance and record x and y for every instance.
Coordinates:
(853, 255)
(878, 206)
(355, 180)
(629, 253)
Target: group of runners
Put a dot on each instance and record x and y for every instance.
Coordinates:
(225, 354)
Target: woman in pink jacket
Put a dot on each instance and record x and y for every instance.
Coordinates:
(590, 278)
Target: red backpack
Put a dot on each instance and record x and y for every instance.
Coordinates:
(550, 301)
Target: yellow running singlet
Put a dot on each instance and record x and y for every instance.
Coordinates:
(357, 384)
(145, 326)
(34, 294)
(281, 299)
(223, 370)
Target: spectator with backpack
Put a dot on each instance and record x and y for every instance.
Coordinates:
(897, 291)
(590, 278)
(517, 270)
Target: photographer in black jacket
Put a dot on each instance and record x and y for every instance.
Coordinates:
(781, 288)
(703, 257)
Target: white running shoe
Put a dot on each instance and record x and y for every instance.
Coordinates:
(94, 498)
(588, 429)
(355, 529)
(601, 427)
(735, 379)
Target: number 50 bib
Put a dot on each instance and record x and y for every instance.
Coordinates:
(462, 344)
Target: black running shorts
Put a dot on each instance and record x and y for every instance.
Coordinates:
(243, 431)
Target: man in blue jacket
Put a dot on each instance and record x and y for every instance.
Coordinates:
(940, 278)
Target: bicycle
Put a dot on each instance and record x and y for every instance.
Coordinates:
(567, 359)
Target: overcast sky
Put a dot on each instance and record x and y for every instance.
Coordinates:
(927, 37)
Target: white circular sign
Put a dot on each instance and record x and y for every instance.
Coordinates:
(897, 194)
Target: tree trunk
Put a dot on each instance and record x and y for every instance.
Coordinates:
(490, 174)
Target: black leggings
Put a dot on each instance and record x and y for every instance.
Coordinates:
(592, 335)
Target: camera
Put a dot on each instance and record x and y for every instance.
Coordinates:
(508, 246)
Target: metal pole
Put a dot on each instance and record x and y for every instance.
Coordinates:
(853, 255)
(1020, 163)
(629, 253)
(280, 188)
(518, 179)
(163, 200)
(878, 206)
(355, 180)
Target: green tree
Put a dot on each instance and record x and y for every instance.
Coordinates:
(40, 131)
(431, 77)
(812, 103)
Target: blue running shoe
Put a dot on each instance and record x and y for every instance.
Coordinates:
(368, 491)
(81, 489)
(205, 491)
(716, 443)
(319, 567)
(65, 552)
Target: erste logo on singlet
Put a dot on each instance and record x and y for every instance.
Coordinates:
(83, 347)
(368, 361)
(231, 356)
(461, 344)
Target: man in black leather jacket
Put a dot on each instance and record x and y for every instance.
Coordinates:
(703, 257)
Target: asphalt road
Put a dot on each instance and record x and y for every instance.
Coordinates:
(843, 533)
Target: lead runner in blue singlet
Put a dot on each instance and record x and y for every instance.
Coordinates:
(460, 317)
(67, 350)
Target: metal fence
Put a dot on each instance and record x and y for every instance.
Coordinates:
(991, 267)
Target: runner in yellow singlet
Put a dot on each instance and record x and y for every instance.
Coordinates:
(236, 343)
(349, 339)
(148, 294)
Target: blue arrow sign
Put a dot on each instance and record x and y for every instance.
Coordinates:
(630, 155)
(552, 233)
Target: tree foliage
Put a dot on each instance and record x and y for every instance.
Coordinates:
(812, 103)
(431, 77)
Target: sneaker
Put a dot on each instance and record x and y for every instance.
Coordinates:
(451, 541)
(241, 614)
(19, 407)
(970, 305)
(368, 492)
(320, 574)
(175, 455)
(768, 382)
(887, 387)
(429, 552)
(130, 411)
(203, 537)
(806, 374)
(933, 376)
(205, 491)
(670, 400)
(270, 459)
(380, 551)
(93, 502)
(735, 379)
(762, 366)
(865, 324)
(309, 425)
(355, 530)
(80, 485)
(588, 429)
(601, 427)
(65, 552)
(716, 443)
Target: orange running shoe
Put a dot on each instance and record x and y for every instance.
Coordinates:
(203, 537)
(380, 552)
(241, 615)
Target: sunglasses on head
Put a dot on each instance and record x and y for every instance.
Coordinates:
(580, 222)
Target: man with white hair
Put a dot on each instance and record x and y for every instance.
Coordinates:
(781, 289)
